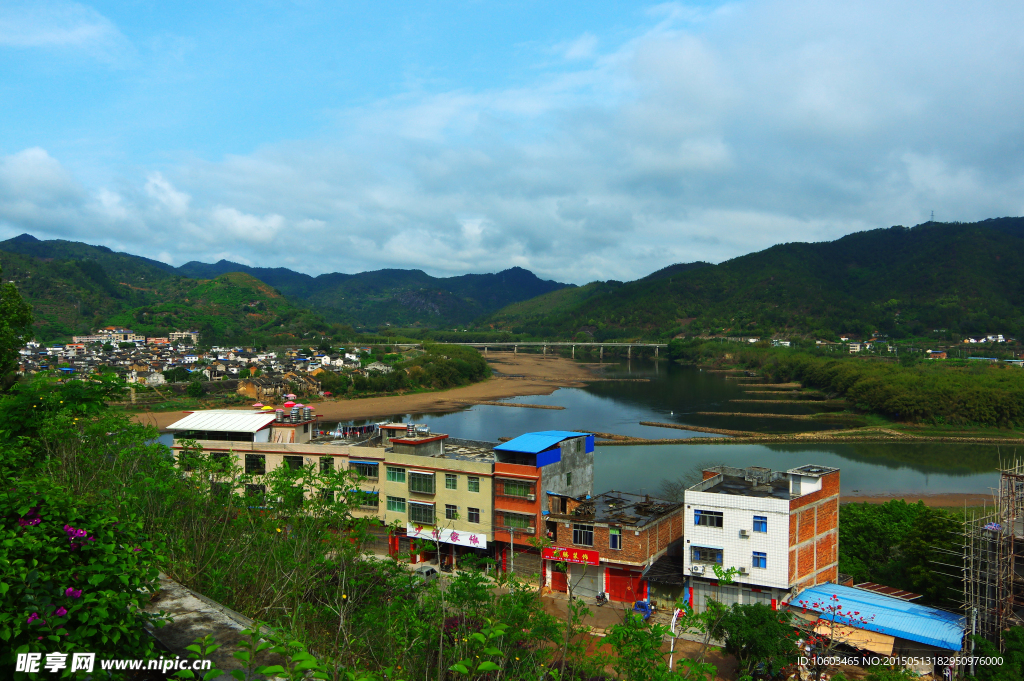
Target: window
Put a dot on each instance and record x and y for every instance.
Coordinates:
(255, 464)
(256, 492)
(515, 488)
(294, 463)
(796, 486)
(614, 538)
(222, 461)
(421, 513)
(366, 470)
(326, 464)
(396, 504)
(396, 474)
(473, 483)
(760, 523)
(568, 479)
(760, 559)
(421, 482)
(473, 514)
(707, 518)
(583, 535)
(368, 499)
(701, 554)
(518, 521)
(451, 481)
(305, 428)
(451, 512)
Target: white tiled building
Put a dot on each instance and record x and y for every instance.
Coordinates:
(779, 529)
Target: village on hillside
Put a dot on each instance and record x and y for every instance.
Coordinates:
(156, 361)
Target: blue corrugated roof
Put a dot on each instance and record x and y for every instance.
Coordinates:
(535, 443)
(886, 615)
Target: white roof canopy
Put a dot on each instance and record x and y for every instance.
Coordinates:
(225, 420)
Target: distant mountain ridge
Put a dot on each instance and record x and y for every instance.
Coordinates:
(938, 279)
(367, 299)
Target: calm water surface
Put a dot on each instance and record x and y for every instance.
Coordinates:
(674, 395)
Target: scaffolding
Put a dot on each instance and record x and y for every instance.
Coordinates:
(993, 554)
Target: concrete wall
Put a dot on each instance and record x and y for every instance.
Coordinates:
(575, 460)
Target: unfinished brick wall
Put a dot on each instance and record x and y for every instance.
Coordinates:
(814, 535)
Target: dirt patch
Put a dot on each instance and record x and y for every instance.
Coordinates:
(521, 374)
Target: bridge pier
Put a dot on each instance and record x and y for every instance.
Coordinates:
(515, 349)
(485, 349)
(544, 350)
(656, 348)
(602, 352)
(574, 352)
(629, 352)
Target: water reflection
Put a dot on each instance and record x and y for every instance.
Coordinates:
(674, 395)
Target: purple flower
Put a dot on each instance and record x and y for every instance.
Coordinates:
(61, 611)
(72, 592)
(136, 549)
(31, 518)
(33, 617)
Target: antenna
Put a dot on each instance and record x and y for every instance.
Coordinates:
(933, 216)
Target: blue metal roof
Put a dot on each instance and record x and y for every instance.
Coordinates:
(535, 443)
(886, 615)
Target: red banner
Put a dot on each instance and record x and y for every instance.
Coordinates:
(581, 556)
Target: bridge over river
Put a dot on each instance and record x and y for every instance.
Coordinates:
(544, 345)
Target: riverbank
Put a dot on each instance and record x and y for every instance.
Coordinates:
(520, 375)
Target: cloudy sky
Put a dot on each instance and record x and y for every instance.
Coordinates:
(582, 140)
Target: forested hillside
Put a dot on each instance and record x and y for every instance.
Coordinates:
(934, 279)
(397, 297)
(367, 299)
(77, 296)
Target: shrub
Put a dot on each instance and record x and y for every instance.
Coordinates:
(72, 578)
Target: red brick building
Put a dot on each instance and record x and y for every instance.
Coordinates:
(607, 541)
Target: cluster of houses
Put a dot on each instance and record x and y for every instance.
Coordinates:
(144, 360)
(440, 498)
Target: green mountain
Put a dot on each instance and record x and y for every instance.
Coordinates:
(934, 279)
(94, 287)
(398, 297)
(369, 299)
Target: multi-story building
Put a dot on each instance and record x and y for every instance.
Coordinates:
(780, 530)
(604, 543)
(188, 337)
(525, 468)
(438, 489)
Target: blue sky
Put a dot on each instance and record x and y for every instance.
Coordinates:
(580, 140)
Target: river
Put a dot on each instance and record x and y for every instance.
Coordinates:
(674, 394)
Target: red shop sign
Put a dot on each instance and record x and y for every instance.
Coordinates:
(581, 556)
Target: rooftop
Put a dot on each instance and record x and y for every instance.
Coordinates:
(225, 420)
(623, 508)
(753, 481)
(886, 615)
(535, 443)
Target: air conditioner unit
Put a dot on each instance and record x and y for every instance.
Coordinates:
(531, 530)
(697, 569)
(743, 570)
(531, 497)
(744, 533)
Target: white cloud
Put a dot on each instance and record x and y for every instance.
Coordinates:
(712, 134)
(60, 25)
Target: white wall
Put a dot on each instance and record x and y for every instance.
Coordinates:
(738, 514)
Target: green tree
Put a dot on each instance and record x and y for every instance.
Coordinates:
(1012, 668)
(195, 389)
(761, 639)
(15, 329)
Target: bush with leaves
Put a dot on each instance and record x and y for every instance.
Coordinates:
(72, 577)
(762, 640)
